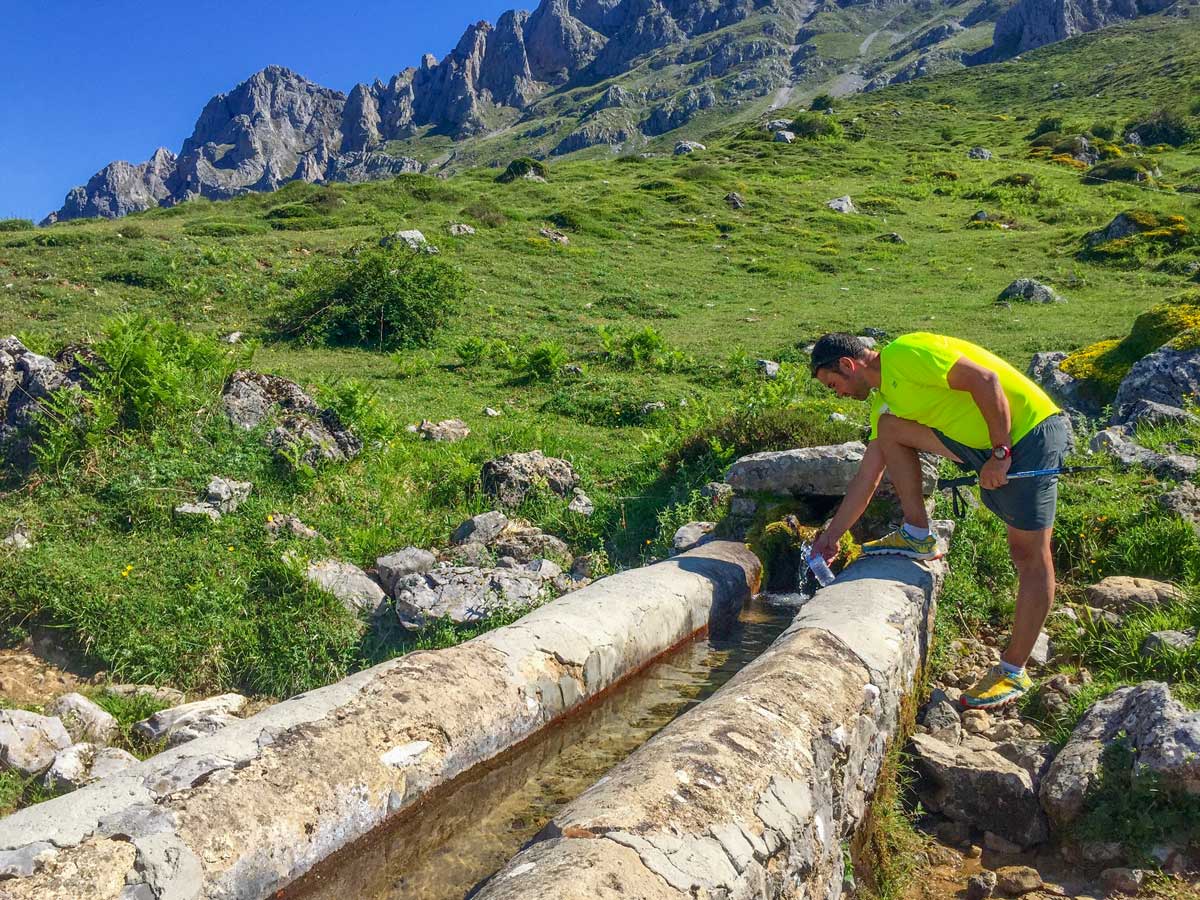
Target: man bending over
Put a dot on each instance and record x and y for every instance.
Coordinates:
(936, 394)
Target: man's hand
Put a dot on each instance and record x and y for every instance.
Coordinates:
(827, 545)
(994, 473)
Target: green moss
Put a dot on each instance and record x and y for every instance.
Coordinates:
(1156, 236)
(1134, 169)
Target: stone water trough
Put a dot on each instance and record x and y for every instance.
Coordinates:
(244, 812)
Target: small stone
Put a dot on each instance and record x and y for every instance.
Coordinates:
(1122, 881)
(554, 236)
(448, 431)
(717, 492)
(460, 230)
(979, 153)
(974, 851)
(1122, 592)
(1165, 643)
(17, 539)
(940, 715)
(581, 503)
(29, 742)
(842, 205)
(166, 721)
(783, 136)
(225, 494)
(285, 523)
(491, 413)
(544, 569)
(394, 566)
(691, 535)
(976, 721)
(1041, 650)
(198, 511)
(481, 529)
(1017, 880)
(981, 886)
(234, 337)
(768, 368)
(735, 200)
(356, 589)
(1028, 290)
(683, 148)
(412, 239)
(891, 237)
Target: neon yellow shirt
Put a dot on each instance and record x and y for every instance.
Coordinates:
(914, 369)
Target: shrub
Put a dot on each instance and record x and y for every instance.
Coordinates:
(385, 298)
(472, 351)
(16, 225)
(1127, 169)
(543, 362)
(645, 348)
(1151, 235)
(523, 167)
(131, 231)
(812, 126)
(1046, 124)
(821, 102)
(485, 212)
(1106, 131)
(297, 217)
(154, 271)
(1017, 180)
(1165, 126)
(223, 229)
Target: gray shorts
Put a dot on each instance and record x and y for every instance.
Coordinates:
(1027, 504)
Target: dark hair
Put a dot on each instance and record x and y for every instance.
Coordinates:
(832, 347)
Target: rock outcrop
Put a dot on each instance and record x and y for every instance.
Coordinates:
(1032, 23)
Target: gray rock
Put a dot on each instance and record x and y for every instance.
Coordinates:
(1017, 880)
(164, 695)
(84, 763)
(581, 503)
(188, 715)
(940, 715)
(767, 368)
(84, 720)
(226, 494)
(359, 593)
(1167, 376)
(891, 237)
(682, 148)
(197, 511)
(449, 431)
(481, 529)
(981, 885)
(1030, 23)
(491, 413)
(27, 382)
(777, 125)
(1122, 881)
(808, 471)
(22, 862)
(525, 544)
(1166, 643)
(1183, 501)
(980, 788)
(1117, 443)
(783, 136)
(461, 230)
(283, 524)
(691, 535)
(1002, 845)
(305, 433)
(554, 236)
(510, 478)
(29, 742)
(544, 569)
(735, 200)
(842, 205)
(1041, 650)
(409, 561)
(18, 539)
(979, 153)
(1164, 738)
(410, 238)
(234, 337)
(464, 595)
(1147, 412)
(1027, 290)
(718, 492)
(1124, 593)
(120, 188)
(1032, 756)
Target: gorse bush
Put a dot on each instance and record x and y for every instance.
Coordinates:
(382, 298)
(821, 102)
(815, 125)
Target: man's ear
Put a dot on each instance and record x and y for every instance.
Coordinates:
(845, 365)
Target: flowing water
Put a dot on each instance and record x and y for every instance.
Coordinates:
(443, 849)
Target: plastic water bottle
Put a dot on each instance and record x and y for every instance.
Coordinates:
(818, 566)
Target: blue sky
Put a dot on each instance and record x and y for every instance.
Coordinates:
(85, 82)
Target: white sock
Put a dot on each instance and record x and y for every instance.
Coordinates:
(916, 533)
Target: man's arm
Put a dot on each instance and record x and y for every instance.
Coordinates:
(984, 387)
(858, 495)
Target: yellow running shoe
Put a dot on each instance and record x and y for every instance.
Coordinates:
(900, 543)
(996, 688)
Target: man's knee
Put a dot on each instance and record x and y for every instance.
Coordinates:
(1030, 550)
(889, 428)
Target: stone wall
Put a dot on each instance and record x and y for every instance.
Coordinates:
(754, 792)
(246, 811)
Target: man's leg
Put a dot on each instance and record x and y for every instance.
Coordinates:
(901, 440)
(1035, 591)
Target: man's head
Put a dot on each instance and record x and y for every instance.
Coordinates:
(839, 361)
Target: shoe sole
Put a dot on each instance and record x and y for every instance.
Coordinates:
(994, 704)
(907, 554)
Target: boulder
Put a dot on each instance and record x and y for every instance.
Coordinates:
(717, 492)
(29, 742)
(197, 511)
(1122, 881)
(808, 471)
(545, 569)
(842, 205)
(222, 496)
(554, 236)
(357, 590)
(682, 148)
(768, 368)
(525, 543)
(481, 529)
(449, 431)
(1027, 290)
(510, 478)
(1123, 225)
(284, 524)
(1041, 650)
(1162, 736)
(691, 535)
(1124, 593)
(84, 720)
(305, 434)
(1166, 643)
(777, 124)
(979, 788)
(783, 136)
(1184, 501)
(460, 230)
(735, 200)
(891, 237)
(412, 239)
(201, 716)
(84, 763)
(1147, 412)
(27, 381)
(981, 885)
(409, 561)
(1017, 880)
(979, 153)
(464, 594)
(1167, 376)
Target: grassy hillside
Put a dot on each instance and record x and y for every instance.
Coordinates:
(664, 294)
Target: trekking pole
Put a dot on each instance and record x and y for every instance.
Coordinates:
(958, 504)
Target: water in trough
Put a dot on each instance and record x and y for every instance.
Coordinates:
(444, 848)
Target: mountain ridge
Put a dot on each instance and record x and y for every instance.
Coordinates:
(580, 74)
